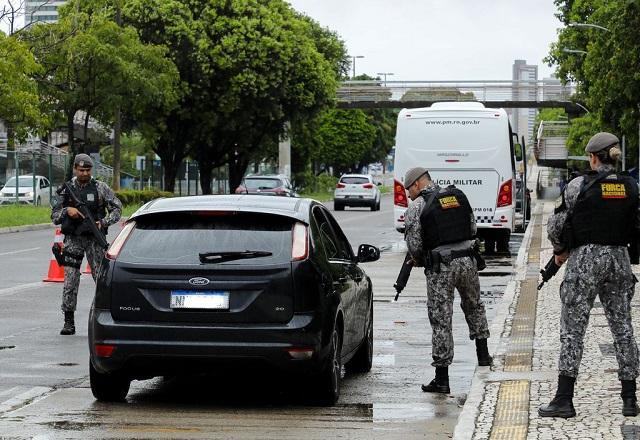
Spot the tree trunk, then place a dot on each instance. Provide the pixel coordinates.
(237, 168)
(117, 129)
(86, 132)
(206, 169)
(171, 161)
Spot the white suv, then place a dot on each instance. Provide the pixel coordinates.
(356, 190)
(25, 190)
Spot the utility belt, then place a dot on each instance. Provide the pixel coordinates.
(435, 258)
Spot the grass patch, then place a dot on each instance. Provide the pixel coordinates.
(19, 215)
(319, 196)
(22, 215)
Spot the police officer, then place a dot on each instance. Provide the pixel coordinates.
(79, 240)
(439, 231)
(591, 231)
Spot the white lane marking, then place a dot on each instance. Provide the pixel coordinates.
(23, 399)
(19, 288)
(19, 252)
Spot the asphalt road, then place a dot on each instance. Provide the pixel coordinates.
(44, 376)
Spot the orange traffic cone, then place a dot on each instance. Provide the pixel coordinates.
(56, 272)
(87, 269)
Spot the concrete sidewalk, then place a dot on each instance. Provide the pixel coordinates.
(503, 402)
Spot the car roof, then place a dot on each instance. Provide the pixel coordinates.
(295, 208)
(266, 176)
(356, 175)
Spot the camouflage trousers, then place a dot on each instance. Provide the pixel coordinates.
(79, 244)
(460, 274)
(604, 271)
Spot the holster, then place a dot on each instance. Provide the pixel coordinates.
(480, 263)
(58, 254)
(433, 262)
(72, 259)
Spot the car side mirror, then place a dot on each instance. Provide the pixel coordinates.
(367, 253)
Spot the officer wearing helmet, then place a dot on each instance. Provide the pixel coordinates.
(78, 239)
(595, 231)
(439, 230)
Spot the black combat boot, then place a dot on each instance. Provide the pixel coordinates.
(562, 404)
(629, 400)
(440, 384)
(69, 325)
(484, 360)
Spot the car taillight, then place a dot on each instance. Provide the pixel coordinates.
(399, 194)
(104, 350)
(506, 194)
(340, 185)
(368, 185)
(116, 246)
(300, 247)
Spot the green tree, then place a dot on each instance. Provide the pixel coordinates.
(343, 137)
(19, 101)
(607, 76)
(92, 64)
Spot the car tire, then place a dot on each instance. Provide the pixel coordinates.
(362, 361)
(378, 205)
(108, 387)
(503, 242)
(338, 206)
(329, 379)
(38, 201)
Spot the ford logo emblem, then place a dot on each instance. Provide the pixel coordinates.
(199, 281)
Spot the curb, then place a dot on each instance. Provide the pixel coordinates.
(25, 228)
(465, 426)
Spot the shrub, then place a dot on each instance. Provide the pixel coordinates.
(137, 197)
(307, 182)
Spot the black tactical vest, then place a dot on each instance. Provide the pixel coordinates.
(90, 196)
(447, 220)
(606, 212)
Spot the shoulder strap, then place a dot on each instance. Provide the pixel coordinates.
(430, 200)
(586, 185)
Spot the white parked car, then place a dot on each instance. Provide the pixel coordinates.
(25, 190)
(356, 190)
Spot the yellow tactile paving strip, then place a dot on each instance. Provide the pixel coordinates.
(511, 419)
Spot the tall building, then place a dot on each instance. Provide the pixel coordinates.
(523, 119)
(41, 10)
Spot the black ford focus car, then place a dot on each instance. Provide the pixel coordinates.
(194, 282)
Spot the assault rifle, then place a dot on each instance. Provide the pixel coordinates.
(403, 276)
(550, 269)
(88, 221)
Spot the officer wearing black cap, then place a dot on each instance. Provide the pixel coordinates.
(595, 231)
(439, 230)
(78, 240)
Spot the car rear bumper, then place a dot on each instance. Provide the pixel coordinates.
(154, 349)
(23, 200)
(355, 200)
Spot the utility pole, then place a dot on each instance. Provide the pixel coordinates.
(117, 128)
(385, 76)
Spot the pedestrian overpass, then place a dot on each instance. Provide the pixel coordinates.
(548, 93)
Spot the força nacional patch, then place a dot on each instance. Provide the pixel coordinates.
(613, 191)
(449, 202)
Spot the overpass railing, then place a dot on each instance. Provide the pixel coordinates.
(430, 91)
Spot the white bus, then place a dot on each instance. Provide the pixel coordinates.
(466, 145)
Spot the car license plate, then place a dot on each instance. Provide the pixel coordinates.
(203, 299)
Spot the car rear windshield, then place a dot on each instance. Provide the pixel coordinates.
(262, 183)
(354, 180)
(181, 238)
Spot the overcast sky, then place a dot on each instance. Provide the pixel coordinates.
(440, 39)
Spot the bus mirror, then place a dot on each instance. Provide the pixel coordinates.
(518, 151)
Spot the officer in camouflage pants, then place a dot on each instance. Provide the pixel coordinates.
(457, 270)
(78, 240)
(589, 231)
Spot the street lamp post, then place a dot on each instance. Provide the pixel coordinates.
(385, 76)
(353, 63)
(589, 25)
(582, 52)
